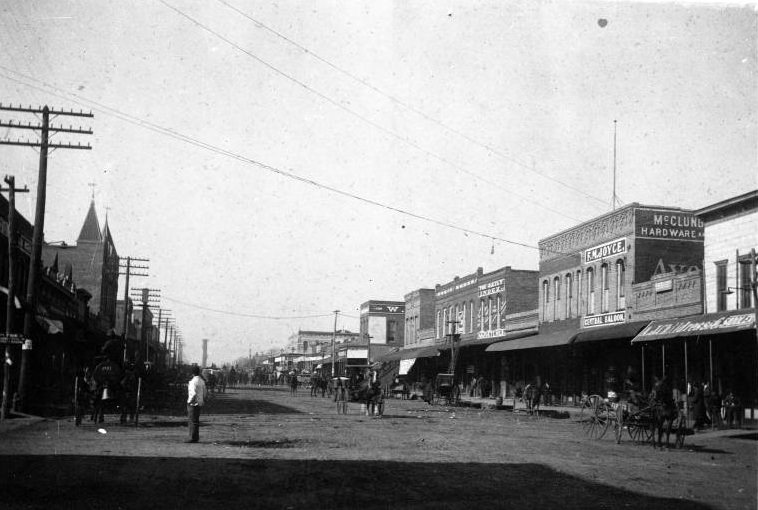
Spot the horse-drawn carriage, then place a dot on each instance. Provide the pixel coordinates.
(446, 391)
(641, 418)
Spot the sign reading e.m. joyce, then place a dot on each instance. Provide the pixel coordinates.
(609, 249)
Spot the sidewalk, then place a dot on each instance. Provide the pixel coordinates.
(18, 420)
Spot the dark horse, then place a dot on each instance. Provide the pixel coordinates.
(113, 387)
(664, 411)
(318, 383)
(370, 394)
(532, 396)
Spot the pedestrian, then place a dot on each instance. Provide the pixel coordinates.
(195, 399)
(340, 397)
(698, 406)
(732, 410)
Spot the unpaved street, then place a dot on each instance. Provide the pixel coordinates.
(262, 448)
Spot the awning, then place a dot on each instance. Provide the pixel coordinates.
(533, 341)
(51, 326)
(405, 366)
(626, 330)
(423, 352)
(707, 324)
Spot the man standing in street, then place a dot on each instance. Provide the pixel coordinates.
(195, 400)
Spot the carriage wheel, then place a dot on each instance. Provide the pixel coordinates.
(588, 407)
(596, 423)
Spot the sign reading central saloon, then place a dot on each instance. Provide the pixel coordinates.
(602, 251)
(603, 319)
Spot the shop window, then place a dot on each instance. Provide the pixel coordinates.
(620, 283)
(721, 285)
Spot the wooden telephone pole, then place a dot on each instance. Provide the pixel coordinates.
(12, 190)
(128, 267)
(44, 144)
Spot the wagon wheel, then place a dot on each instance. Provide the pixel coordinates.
(588, 407)
(639, 426)
(596, 424)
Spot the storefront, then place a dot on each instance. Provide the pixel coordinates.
(719, 349)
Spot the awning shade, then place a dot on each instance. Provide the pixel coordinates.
(51, 326)
(405, 366)
(707, 324)
(533, 341)
(627, 330)
(423, 352)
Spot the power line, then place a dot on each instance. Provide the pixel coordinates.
(344, 108)
(407, 106)
(207, 146)
(238, 314)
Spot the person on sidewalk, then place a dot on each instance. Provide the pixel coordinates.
(195, 400)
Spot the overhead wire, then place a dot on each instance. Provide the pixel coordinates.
(357, 115)
(240, 314)
(411, 108)
(218, 150)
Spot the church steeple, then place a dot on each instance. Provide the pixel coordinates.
(91, 228)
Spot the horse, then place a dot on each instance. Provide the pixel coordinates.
(111, 382)
(532, 397)
(370, 395)
(318, 383)
(664, 411)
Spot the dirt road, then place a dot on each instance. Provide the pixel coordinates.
(262, 448)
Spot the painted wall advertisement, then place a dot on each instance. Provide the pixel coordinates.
(678, 225)
(658, 257)
(377, 329)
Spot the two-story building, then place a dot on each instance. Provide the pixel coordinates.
(600, 283)
(719, 347)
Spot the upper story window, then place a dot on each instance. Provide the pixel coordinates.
(721, 286)
(545, 298)
(590, 290)
(745, 282)
(556, 297)
(471, 316)
(569, 294)
(604, 282)
(620, 284)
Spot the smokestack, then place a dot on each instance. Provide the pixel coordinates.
(205, 352)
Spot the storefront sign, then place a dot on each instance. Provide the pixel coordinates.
(610, 249)
(493, 333)
(668, 225)
(457, 286)
(374, 308)
(492, 287)
(702, 325)
(14, 339)
(603, 319)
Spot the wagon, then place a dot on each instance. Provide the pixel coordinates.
(446, 391)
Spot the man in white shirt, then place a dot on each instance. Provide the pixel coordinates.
(195, 400)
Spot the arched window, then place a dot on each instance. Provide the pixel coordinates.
(569, 294)
(590, 291)
(481, 314)
(444, 321)
(579, 292)
(455, 327)
(439, 323)
(556, 297)
(545, 298)
(620, 282)
(499, 317)
(604, 287)
(471, 317)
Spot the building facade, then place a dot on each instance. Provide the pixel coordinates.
(419, 315)
(94, 265)
(382, 322)
(600, 283)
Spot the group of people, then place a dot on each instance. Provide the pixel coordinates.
(707, 407)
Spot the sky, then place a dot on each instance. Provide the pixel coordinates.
(277, 161)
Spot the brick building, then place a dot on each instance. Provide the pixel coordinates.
(94, 266)
(382, 321)
(477, 310)
(419, 315)
(600, 283)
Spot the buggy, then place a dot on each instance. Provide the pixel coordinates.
(446, 391)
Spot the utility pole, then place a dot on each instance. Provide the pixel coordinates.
(44, 129)
(12, 190)
(334, 340)
(127, 273)
(148, 296)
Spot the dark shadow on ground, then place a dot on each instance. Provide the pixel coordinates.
(65, 481)
(745, 435)
(224, 403)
